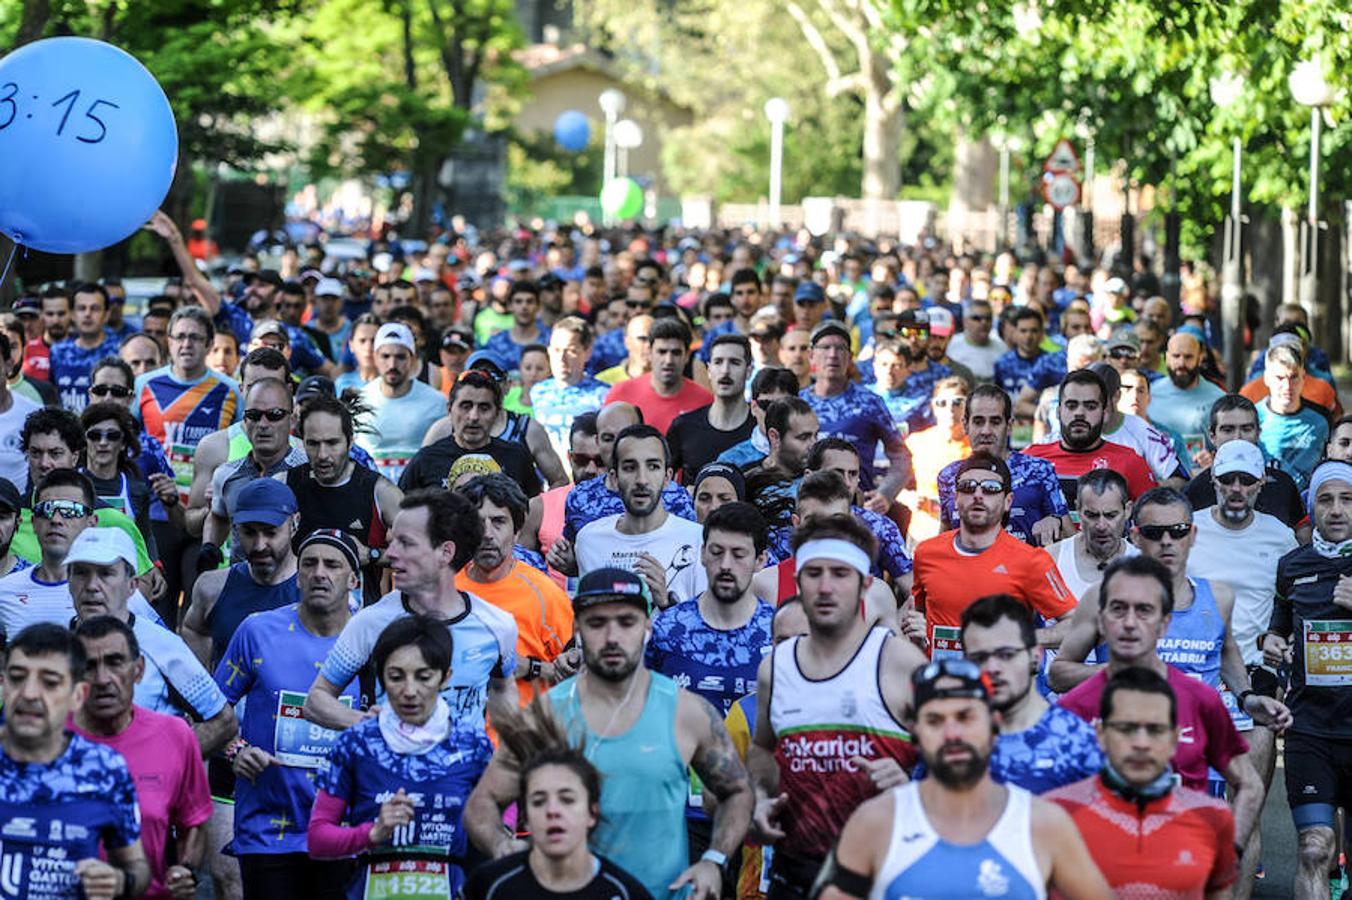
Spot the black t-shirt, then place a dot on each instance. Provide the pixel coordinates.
(695, 443)
(432, 463)
(1304, 612)
(1279, 496)
(510, 878)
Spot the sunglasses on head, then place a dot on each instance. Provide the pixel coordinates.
(1244, 478)
(276, 414)
(988, 486)
(66, 509)
(99, 435)
(950, 667)
(1178, 531)
(110, 390)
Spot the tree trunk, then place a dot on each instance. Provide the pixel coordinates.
(883, 121)
(34, 21)
(974, 173)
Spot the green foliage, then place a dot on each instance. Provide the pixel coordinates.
(1136, 74)
(218, 62)
(538, 170)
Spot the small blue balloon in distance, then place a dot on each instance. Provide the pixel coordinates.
(572, 131)
(89, 145)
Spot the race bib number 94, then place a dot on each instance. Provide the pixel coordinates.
(1328, 652)
(297, 741)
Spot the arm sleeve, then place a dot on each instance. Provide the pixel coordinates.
(348, 654)
(1282, 621)
(327, 837)
(192, 681)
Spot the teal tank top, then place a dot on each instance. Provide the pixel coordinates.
(643, 786)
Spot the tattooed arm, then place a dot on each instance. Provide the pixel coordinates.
(702, 734)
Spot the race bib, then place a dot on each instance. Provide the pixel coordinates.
(1328, 652)
(296, 741)
(180, 460)
(946, 642)
(408, 879)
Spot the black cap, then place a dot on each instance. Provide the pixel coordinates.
(315, 386)
(267, 276)
(9, 496)
(971, 682)
(913, 318)
(339, 540)
(612, 585)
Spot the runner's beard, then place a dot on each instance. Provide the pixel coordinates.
(961, 775)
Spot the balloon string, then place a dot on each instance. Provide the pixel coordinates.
(9, 262)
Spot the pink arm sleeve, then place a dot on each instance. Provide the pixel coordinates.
(327, 838)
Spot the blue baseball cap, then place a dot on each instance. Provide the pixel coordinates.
(809, 292)
(264, 501)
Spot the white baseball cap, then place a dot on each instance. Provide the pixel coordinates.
(395, 333)
(329, 287)
(102, 547)
(1238, 456)
(422, 273)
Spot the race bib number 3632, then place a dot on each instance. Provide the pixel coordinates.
(1328, 652)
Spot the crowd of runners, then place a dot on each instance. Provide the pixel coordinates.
(623, 564)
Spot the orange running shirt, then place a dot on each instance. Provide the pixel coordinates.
(947, 580)
(543, 614)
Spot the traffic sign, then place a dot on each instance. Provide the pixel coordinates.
(1063, 158)
(1060, 189)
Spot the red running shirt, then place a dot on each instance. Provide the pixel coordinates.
(1179, 847)
(1071, 464)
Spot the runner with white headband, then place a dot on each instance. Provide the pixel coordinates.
(829, 708)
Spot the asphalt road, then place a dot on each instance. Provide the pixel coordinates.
(1279, 841)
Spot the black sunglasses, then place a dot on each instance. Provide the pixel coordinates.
(988, 486)
(1177, 531)
(110, 390)
(276, 414)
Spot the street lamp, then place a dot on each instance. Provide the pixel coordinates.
(1007, 144)
(777, 111)
(1226, 90)
(1309, 88)
(628, 136)
(612, 103)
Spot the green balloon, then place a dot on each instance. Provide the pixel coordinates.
(622, 198)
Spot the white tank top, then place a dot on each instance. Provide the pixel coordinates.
(1063, 554)
(919, 863)
(819, 727)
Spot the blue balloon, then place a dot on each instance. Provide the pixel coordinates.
(572, 131)
(89, 145)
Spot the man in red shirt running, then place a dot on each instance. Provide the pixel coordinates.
(1083, 409)
(1149, 836)
(980, 558)
(666, 392)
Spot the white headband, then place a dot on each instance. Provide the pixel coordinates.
(833, 549)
